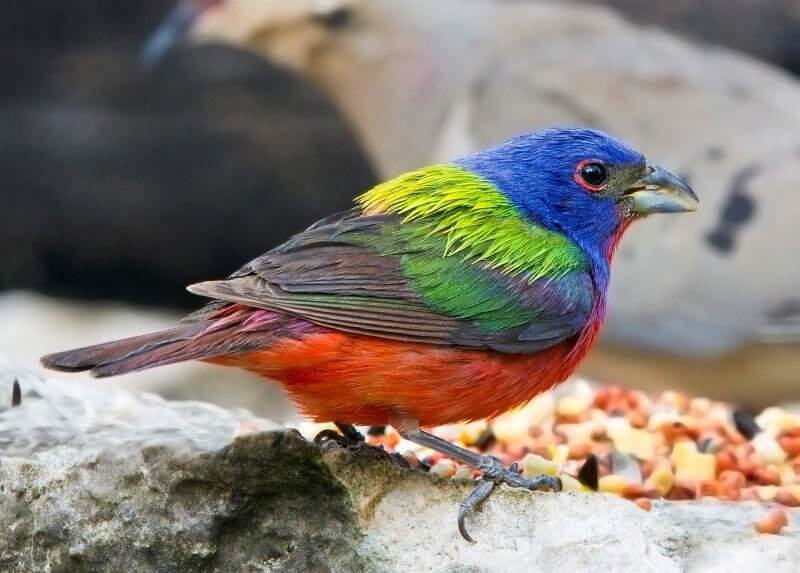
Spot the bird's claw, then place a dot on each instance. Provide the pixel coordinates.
(347, 436)
(353, 440)
(483, 488)
(493, 473)
(328, 435)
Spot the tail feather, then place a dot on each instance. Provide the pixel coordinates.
(233, 330)
(126, 355)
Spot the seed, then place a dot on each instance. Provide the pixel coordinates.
(628, 440)
(589, 474)
(613, 483)
(16, 394)
(768, 448)
(470, 433)
(726, 461)
(786, 498)
(684, 489)
(443, 468)
(733, 478)
(463, 472)
(571, 408)
(638, 491)
(766, 476)
(691, 464)
(637, 418)
(790, 445)
(533, 465)
(766, 492)
(569, 483)
(746, 424)
(772, 522)
(579, 451)
(662, 478)
(675, 431)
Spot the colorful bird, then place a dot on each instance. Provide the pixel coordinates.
(453, 292)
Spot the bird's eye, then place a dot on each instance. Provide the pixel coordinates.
(592, 175)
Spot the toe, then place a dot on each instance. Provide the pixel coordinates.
(480, 492)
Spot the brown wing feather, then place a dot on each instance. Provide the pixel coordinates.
(331, 276)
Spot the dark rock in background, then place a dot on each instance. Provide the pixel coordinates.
(117, 184)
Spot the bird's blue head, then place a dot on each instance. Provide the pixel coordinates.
(580, 182)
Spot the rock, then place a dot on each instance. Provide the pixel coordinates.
(178, 175)
(95, 479)
(763, 28)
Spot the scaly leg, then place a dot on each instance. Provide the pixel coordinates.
(493, 470)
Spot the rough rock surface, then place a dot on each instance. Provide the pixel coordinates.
(94, 479)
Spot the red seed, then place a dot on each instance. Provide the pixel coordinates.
(772, 522)
(637, 490)
(710, 488)
(601, 398)
(579, 451)
(544, 452)
(634, 400)
(790, 445)
(766, 476)
(726, 461)
(637, 418)
(733, 478)
(674, 432)
(644, 503)
(786, 498)
(683, 489)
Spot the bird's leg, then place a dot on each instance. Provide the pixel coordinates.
(493, 471)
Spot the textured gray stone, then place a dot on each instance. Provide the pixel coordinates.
(94, 479)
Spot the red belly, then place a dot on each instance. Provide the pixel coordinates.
(335, 376)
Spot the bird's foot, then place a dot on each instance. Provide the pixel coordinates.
(493, 473)
(347, 436)
(351, 439)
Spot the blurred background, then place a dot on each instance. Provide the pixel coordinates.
(147, 145)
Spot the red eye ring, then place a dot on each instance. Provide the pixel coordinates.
(592, 175)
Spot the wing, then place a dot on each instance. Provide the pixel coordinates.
(373, 275)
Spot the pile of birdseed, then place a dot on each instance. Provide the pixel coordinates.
(625, 443)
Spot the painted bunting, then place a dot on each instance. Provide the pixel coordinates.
(453, 292)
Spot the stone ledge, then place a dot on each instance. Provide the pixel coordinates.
(92, 478)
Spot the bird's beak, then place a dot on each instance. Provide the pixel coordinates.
(659, 191)
(171, 31)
